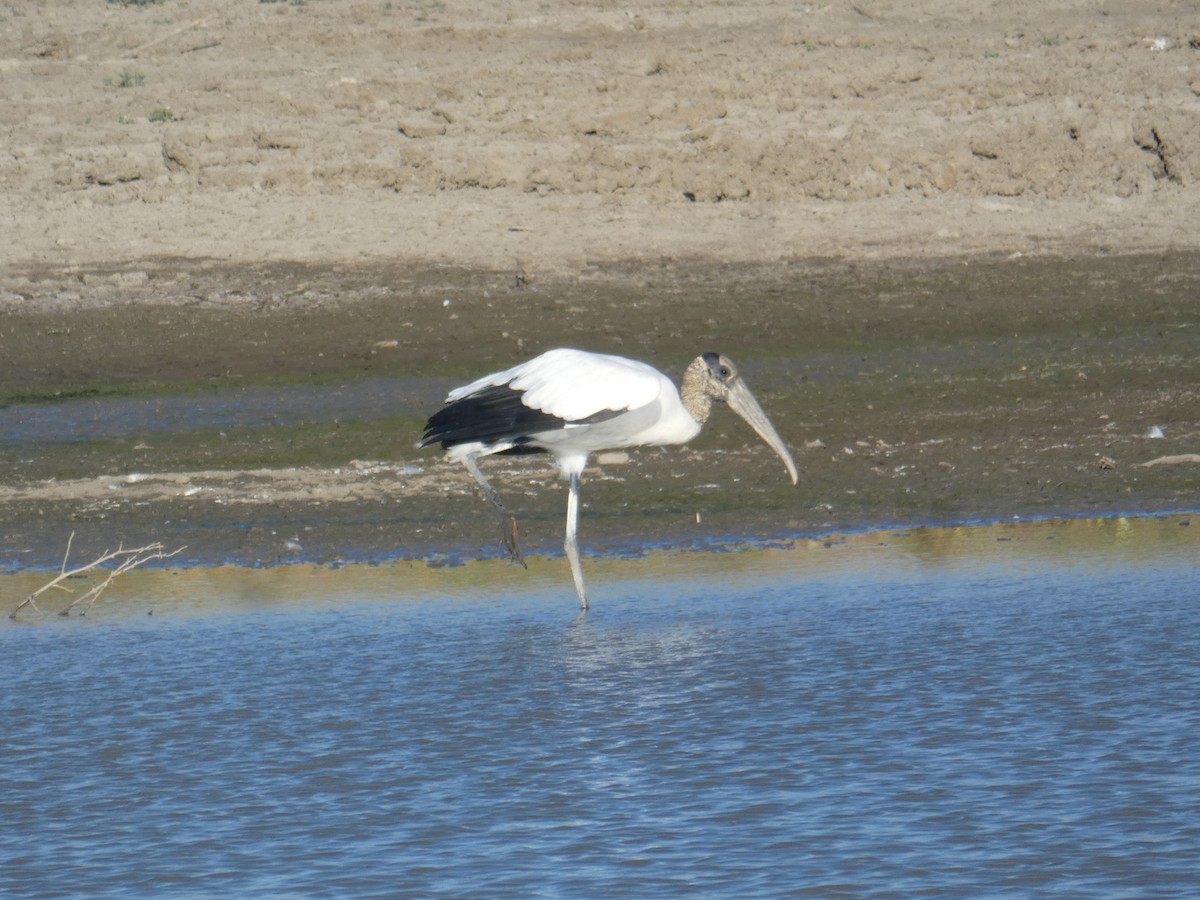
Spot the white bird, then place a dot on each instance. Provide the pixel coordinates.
(571, 403)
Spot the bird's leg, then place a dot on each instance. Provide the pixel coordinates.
(571, 545)
(508, 523)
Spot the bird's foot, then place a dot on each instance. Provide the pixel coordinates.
(508, 533)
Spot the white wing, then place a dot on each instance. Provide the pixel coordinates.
(575, 384)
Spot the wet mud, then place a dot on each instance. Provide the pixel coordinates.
(269, 413)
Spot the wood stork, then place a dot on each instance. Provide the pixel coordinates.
(571, 403)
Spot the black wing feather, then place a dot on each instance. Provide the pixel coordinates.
(492, 415)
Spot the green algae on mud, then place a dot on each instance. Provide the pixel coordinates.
(910, 392)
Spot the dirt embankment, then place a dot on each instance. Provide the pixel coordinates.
(521, 135)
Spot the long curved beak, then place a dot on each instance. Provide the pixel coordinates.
(742, 402)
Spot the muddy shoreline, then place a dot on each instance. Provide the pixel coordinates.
(945, 391)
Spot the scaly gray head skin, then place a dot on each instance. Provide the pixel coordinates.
(715, 377)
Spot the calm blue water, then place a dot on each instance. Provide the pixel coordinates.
(890, 730)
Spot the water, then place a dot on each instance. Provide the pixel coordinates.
(83, 419)
(953, 712)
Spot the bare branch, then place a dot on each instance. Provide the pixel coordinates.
(68, 553)
(198, 23)
(1178, 459)
(128, 559)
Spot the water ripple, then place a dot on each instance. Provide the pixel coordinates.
(974, 733)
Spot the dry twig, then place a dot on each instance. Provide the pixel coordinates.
(1176, 460)
(198, 23)
(128, 559)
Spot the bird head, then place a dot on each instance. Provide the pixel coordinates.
(719, 379)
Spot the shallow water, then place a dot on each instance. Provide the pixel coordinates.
(81, 419)
(958, 712)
